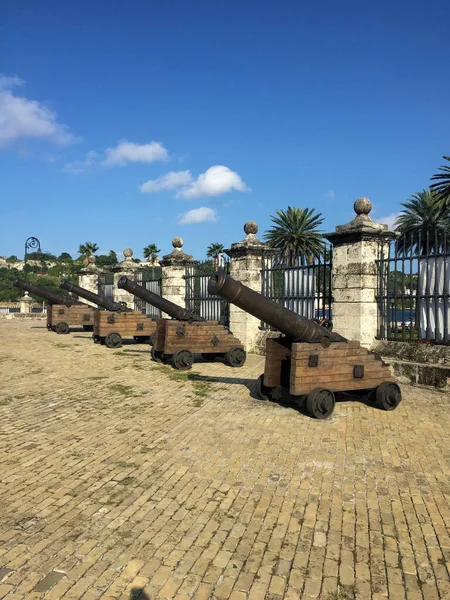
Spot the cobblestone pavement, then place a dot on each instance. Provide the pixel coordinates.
(121, 478)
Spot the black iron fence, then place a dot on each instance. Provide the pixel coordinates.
(106, 285)
(197, 299)
(150, 279)
(304, 288)
(414, 289)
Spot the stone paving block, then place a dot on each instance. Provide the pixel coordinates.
(48, 582)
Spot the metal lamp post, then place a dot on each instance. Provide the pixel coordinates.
(34, 244)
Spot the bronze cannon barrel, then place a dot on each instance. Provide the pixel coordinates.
(297, 328)
(92, 297)
(45, 293)
(175, 311)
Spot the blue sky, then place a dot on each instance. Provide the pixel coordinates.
(249, 106)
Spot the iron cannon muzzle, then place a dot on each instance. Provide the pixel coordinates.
(165, 306)
(101, 301)
(296, 327)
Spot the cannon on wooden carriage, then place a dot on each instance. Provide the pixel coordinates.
(63, 312)
(309, 363)
(114, 321)
(185, 334)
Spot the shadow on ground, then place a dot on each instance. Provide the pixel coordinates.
(250, 384)
(138, 594)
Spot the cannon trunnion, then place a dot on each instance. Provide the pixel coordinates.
(178, 339)
(116, 322)
(309, 364)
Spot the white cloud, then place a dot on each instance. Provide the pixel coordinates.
(21, 118)
(8, 82)
(78, 166)
(198, 215)
(215, 181)
(330, 195)
(389, 220)
(126, 152)
(169, 181)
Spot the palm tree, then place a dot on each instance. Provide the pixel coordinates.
(296, 235)
(422, 224)
(442, 186)
(213, 251)
(87, 248)
(151, 253)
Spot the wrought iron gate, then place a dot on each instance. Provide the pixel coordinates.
(151, 280)
(304, 288)
(106, 285)
(414, 289)
(197, 299)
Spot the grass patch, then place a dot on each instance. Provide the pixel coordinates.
(61, 345)
(139, 366)
(128, 480)
(201, 391)
(125, 465)
(345, 592)
(125, 390)
(6, 401)
(122, 429)
(36, 371)
(128, 355)
(97, 378)
(145, 449)
(174, 375)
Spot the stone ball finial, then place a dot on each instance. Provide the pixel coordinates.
(128, 252)
(362, 206)
(92, 259)
(177, 242)
(251, 227)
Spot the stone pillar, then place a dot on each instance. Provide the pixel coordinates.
(173, 271)
(356, 248)
(88, 277)
(245, 266)
(126, 267)
(25, 303)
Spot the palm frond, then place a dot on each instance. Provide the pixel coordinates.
(442, 186)
(295, 234)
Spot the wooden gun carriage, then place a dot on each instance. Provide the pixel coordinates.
(112, 321)
(309, 364)
(63, 312)
(178, 339)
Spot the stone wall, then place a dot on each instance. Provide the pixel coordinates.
(419, 364)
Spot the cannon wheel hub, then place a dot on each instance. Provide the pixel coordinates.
(262, 391)
(235, 357)
(388, 396)
(62, 328)
(320, 403)
(182, 360)
(113, 340)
